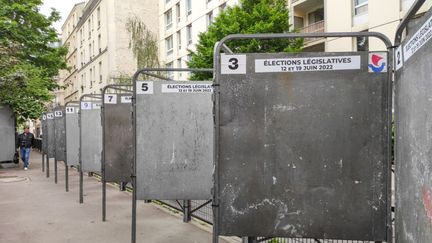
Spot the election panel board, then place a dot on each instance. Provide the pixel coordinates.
(174, 140)
(44, 133)
(50, 135)
(303, 145)
(118, 137)
(72, 135)
(7, 131)
(413, 90)
(91, 136)
(60, 134)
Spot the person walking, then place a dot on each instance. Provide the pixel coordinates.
(25, 142)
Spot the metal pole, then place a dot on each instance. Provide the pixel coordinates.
(186, 211)
(47, 167)
(55, 170)
(249, 240)
(103, 197)
(67, 177)
(43, 162)
(81, 196)
(134, 197)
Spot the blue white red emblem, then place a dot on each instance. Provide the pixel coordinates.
(377, 62)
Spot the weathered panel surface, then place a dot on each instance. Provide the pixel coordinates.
(50, 135)
(304, 154)
(7, 131)
(60, 134)
(414, 143)
(118, 144)
(174, 135)
(91, 140)
(72, 136)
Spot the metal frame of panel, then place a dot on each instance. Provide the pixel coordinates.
(59, 139)
(97, 98)
(413, 211)
(148, 72)
(217, 64)
(50, 140)
(8, 134)
(44, 143)
(70, 108)
(120, 91)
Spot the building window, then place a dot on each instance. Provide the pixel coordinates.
(179, 42)
(169, 45)
(170, 73)
(209, 18)
(90, 78)
(298, 22)
(362, 43)
(168, 19)
(222, 7)
(98, 17)
(189, 34)
(188, 7)
(100, 72)
(90, 51)
(81, 36)
(178, 12)
(167, 1)
(316, 16)
(179, 65)
(360, 7)
(89, 29)
(99, 43)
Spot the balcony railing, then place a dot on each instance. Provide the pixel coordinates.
(313, 28)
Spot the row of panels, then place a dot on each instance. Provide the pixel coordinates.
(286, 144)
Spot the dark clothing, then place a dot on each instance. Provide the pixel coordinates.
(25, 140)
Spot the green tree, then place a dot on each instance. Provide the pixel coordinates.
(29, 57)
(249, 17)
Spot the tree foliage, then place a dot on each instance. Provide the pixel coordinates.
(29, 57)
(249, 17)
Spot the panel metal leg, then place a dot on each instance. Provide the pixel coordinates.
(55, 171)
(249, 240)
(134, 197)
(186, 211)
(47, 167)
(81, 195)
(215, 223)
(103, 198)
(43, 162)
(67, 177)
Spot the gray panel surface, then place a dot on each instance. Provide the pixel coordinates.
(44, 133)
(72, 138)
(60, 135)
(414, 145)
(174, 137)
(304, 154)
(50, 136)
(91, 140)
(7, 132)
(118, 144)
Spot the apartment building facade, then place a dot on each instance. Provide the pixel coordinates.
(99, 51)
(310, 16)
(180, 22)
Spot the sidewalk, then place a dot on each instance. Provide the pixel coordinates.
(35, 210)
